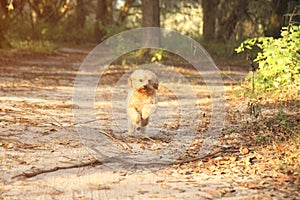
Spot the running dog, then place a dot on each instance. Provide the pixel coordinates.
(141, 100)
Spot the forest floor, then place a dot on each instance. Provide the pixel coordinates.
(42, 155)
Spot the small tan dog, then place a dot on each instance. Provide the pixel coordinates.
(141, 100)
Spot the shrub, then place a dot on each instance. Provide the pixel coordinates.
(278, 60)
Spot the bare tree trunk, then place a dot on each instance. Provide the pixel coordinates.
(80, 14)
(104, 17)
(4, 44)
(151, 13)
(279, 7)
(209, 18)
(109, 12)
(99, 31)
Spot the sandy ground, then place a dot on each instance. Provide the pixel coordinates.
(38, 132)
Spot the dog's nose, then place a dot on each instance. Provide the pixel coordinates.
(145, 87)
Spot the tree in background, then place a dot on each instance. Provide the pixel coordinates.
(80, 13)
(238, 19)
(151, 18)
(230, 13)
(221, 18)
(279, 8)
(48, 12)
(94, 20)
(210, 9)
(104, 17)
(151, 13)
(3, 23)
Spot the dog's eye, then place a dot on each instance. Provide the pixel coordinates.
(149, 81)
(141, 80)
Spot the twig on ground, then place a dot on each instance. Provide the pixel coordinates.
(43, 171)
(223, 73)
(86, 122)
(149, 138)
(116, 140)
(58, 122)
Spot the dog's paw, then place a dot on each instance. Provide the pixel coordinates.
(140, 130)
(130, 134)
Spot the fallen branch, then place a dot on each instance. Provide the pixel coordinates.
(43, 171)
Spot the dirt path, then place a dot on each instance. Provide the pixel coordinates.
(37, 132)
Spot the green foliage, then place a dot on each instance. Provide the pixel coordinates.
(278, 60)
(157, 55)
(260, 138)
(281, 113)
(143, 56)
(283, 119)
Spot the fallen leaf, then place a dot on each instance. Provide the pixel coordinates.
(165, 186)
(153, 196)
(98, 186)
(214, 193)
(253, 185)
(143, 191)
(244, 151)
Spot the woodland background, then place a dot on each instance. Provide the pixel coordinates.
(81, 21)
(43, 43)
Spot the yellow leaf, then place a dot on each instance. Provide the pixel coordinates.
(10, 6)
(159, 56)
(153, 59)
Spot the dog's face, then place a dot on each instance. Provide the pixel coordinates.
(143, 81)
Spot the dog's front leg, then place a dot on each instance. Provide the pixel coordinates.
(148, 109)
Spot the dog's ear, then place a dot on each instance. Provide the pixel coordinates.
(129, 82)
(155, 85)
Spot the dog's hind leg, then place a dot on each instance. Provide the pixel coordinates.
(130, 127)
(134, 120)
